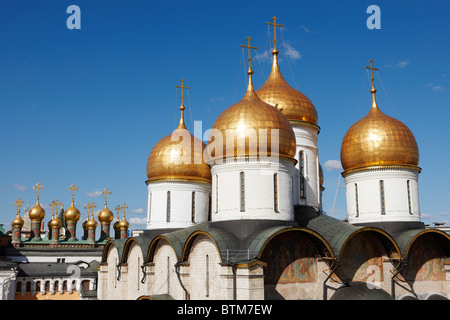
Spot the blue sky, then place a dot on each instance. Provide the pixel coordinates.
(87, 106)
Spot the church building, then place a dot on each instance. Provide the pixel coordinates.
(241, 217)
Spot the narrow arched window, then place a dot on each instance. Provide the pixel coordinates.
(382, 200)
(217, 193)
(149, 207)
(275, 192)
(301, 168)
(193, 208)
(168, 207)
(408, 186)
(242, 190)
(356, 200)
(207, 276)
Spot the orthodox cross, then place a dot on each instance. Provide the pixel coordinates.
(106, 192)
(124, 207)
(182, 96)
(92, 206)
(249, 53)
(18, 203)
(38, 188)
(275, 25)
(87, 207)
(57, 204)
(371, 72)
(73, 188)
(53, 205)
(118, 207)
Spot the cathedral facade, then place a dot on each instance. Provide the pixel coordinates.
(241, 217)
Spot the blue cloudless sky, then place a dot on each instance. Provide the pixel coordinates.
(87, 105)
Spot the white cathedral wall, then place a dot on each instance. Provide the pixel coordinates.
(205, 281)
(366, 206)
(180, 204)
(164, 279)
(135, 259)
(259, 189)
(306, 141)
(108, 286)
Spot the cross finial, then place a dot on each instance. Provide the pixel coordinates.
(118, 208)
(87, 207)
(373, 90)
(57, 204)
(124, 207)
(181, 125)
(18, 204)
(249, 54)
(53, 205)
(38, 188)
(182, 96)
(92, 206)
(73, 188)
(106, 193)
(275, 25)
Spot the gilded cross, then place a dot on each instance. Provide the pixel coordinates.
(182, 87)
(124, 207)
(249, 53)
(38, 188)
(18, 203)
(275, 25)
(57, 204)
(371, 72)
(73, 188)
(106, 192)
(53, 205)
(118, 207)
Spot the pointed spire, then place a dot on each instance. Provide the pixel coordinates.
(373, 90)
(181, 125)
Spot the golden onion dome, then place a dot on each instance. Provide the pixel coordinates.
(179, 157)
(37, 213)
(124, 224)
(17, 222)
(55, 223)
(293, 104)
(91, 224)
(251, 123)
(105, 215)
(378, 140)
(72, 213)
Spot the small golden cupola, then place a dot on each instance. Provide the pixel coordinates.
(178, 156)
(18, 221)
(378, 140)
(105, 215)
(37, 213)
(252, 122)
(277, 92)
(72, 213)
